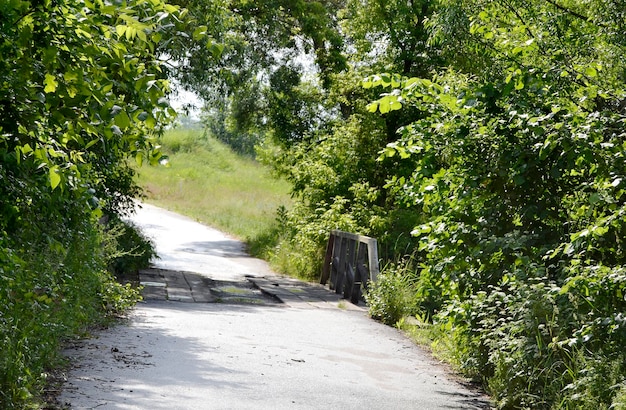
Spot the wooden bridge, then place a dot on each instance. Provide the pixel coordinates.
(351, 262)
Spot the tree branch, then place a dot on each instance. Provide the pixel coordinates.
(568, 10)
(576, 14)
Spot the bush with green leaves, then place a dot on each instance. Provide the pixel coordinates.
(518, 177)
(54, 280)
(129, 250)
(83, 89)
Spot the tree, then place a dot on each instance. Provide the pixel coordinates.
(83, 86)
(83, 89)
(258, 39)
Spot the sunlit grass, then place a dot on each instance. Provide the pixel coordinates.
(431, 337)
(211, 184)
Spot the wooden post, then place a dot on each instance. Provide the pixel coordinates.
(350, 259)
(341, 266)
(328, 258)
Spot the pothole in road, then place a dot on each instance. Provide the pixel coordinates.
(239, 292)
(233, 289)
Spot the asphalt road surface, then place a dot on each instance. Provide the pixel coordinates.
(219, 330)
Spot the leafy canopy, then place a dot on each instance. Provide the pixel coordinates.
(83, 86)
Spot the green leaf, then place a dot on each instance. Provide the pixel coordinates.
(50, 84)
(130, 33)
(595, 198)
(599, 231)
(142, 35)
(54, 177)
(591, 72)
(372, 107)
(150, 122)
(26, 149)
(122, 120)
(384, 107)
(216, 49)
(91, 143)
(199, 32)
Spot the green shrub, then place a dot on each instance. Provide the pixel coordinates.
(54, 281)
(129, 249)
(535, 344)
(394, 295)
(49, 293)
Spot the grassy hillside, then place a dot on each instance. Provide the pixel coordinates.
(206, 181)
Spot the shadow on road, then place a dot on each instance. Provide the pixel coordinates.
(243, 356)
(224, 248)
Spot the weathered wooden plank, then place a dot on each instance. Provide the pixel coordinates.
(328, 257)
(341, 268)
(355, 237)
(348, 282)
(350, 263)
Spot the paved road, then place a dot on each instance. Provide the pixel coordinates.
(266, 342)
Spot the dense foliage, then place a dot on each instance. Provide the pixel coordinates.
(518, 177)
(494, 158)
(82, 89)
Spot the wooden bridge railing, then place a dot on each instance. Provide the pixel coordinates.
(351, 262)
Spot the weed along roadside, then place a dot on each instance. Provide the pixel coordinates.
(226, 332)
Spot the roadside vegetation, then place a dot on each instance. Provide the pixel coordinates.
(82, 90)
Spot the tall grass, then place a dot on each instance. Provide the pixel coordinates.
(207, 181)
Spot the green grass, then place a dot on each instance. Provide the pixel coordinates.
(208, 182)
(431, 337)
